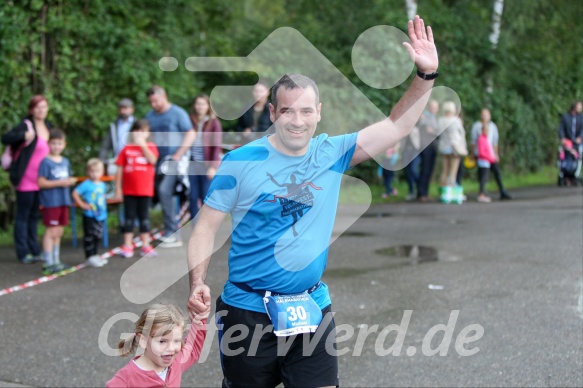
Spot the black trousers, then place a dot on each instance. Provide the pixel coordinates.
(428, 156)
(495, 168)
(136, 208)
(26, 224)
(483, 173)
(93, 231)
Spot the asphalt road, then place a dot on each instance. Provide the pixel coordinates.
(507, 277)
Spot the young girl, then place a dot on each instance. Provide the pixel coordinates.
(205, 153)
(135, 183)
(158, 332)
(486, 156)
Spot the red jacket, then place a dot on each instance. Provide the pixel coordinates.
(132, 376)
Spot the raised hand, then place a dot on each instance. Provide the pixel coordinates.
(422, 48)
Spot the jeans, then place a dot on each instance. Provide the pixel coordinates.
(427, 164)
(388, 181)
(412, 171)
(26, 224)
(166, 197)
(199, 187)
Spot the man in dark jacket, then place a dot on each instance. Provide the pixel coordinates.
(115, 139)
(571, 125)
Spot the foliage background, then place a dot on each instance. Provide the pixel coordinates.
(86, 55)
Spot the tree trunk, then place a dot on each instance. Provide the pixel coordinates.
(494, 37)
(411, 6)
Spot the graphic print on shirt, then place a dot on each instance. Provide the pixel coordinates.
(60, 172)
(298, 198)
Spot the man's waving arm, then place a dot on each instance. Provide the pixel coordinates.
(378, 137)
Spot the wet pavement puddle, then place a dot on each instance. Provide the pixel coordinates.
(400, 256)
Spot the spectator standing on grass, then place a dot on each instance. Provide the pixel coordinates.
(428, 130)
(205, 153)
(173, 135)
(486, 157)
(135, 183)
(282, 194)
(452, 144)
(571, 124)
(493, 136)
(55, 179)
(256, 119)
(23, 172)
(90, 196)
(116, 137)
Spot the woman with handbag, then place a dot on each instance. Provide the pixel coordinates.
(30, 138)
(452, 147)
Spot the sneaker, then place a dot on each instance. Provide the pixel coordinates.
(126, 252)
(55, 268)
(170, 242)
(484, 198)
(505, 196)
(148, 250)
(384, 195)
(95, 261)
(30, 259)
(410, 197)
(103, 260)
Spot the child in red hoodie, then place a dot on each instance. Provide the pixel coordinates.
(166, 355)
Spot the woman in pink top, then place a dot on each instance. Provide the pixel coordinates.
(24, 176)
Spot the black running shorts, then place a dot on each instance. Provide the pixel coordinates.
(252, 356)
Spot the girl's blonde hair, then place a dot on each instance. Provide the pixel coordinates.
(156, 320)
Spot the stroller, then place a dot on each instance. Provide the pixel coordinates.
(569, 163)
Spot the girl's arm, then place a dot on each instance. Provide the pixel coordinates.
(192, 348)
(118, 182)
(148, 153)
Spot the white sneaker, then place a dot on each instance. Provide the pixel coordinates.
(410, 197)
(171, 241)
(95, 261)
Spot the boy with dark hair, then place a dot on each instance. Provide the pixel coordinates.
(54, 180)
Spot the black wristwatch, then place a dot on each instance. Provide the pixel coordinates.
(427, 77)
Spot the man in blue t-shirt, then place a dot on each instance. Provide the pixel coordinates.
(282, 193)
(173, 135)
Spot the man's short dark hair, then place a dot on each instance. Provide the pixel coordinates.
(56, 134)
(155, 90)
(292, 81)
(574, 105)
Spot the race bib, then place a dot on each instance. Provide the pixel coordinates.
(292, 314)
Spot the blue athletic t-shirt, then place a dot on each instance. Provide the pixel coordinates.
(94, 194)
(168, 129)
(283, 210)
(51, 170)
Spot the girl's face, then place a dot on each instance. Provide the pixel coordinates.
(40, 111)
(201, 107)
(140, 134)
(161, 350)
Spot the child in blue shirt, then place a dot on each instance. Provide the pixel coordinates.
(90, 196)
(54, 180)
